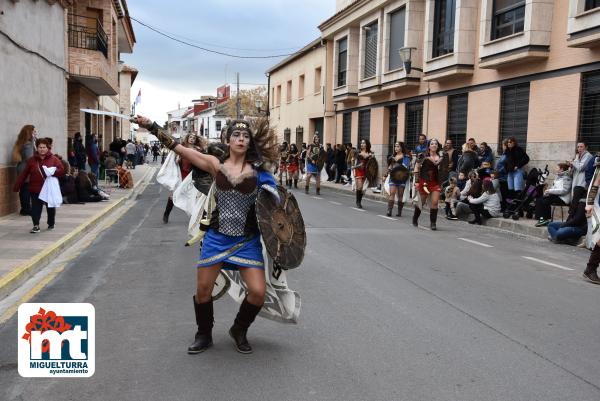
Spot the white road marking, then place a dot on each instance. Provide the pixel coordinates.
(317, 197)
(335, 203)
(386, 217)
(357, 209)
(476, 242)
(547, 263)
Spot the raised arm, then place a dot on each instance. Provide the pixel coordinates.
(203, 161)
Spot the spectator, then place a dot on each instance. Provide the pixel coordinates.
(580, 164)
(85, 190)
(125, 178)
(163, 154)
(340, 162)
(80, 155)
(110, 166)
(35, 173)
(487, 205)
(576, 225)
(422, 145)
(501, 174)
(349, 156)
(139, 153)
(93, 154)
(516, 159)
(330, 162)
(461, 181)
(485, 154)
(466, 191)
(131, 152)
(23, 150)
(590, 169)
(468, 160)
(559, 194)
(155, 153)
(452, 155)
(67, 184)
(451, 195)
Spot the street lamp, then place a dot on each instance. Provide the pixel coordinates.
(406, 58)
(258, 104)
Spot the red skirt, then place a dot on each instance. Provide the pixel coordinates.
(432, 186)
(292, 168)
(359, 172)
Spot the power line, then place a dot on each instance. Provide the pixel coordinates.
(206, 49)
(25, 49)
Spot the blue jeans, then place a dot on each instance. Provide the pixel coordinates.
(515, 180)
(565, 233)
(95, 168)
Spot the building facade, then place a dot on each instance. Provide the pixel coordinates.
(486, 69)
(33, 80)
(299, 93)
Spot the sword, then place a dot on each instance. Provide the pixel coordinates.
(107, 113)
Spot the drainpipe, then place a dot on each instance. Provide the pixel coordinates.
(268, 94)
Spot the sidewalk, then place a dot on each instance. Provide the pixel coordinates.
(521, 226)
(22, 254)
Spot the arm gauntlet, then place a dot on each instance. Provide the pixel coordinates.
(592, 195)
(162, 136)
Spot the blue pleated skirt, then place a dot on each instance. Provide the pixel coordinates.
(234, 252)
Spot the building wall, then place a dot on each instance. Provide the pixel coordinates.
(33, 91)
(478, 67)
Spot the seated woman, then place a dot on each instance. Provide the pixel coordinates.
(559, 194)
(85, 191)
(487, 205)
(571, 230)
(473, 189)
(67, 184)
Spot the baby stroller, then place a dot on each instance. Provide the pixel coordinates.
(524, 204)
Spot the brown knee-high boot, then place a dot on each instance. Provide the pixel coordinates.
(359, 196)
(243, 320)
(168, 210)
(390, 207)
(400, 206)
(204, 320)
(591, 270)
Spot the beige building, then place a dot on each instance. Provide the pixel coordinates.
(300, 96)
(486, 69)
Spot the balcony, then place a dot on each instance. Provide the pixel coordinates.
(92, 62)
(87, 33)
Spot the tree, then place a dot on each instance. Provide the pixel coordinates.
(248, 98)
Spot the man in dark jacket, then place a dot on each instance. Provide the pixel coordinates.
(329, 162)
(516, 159)
(340, 162)
(80, 153)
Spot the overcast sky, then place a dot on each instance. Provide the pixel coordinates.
(170, 72)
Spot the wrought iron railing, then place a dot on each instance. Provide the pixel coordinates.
(87, 33)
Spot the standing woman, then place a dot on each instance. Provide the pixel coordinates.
(22, 152)
(359, 165)
(35, 173)
(399, 161)
(94, 156)
(293, 165)
(283, 154)
(431, 171)
(232, 240)
(185, 167)
(312, 160)
(516, 159)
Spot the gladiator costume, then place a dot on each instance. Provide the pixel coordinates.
(591, 270)
(431, 175)
(185, 167)
(399, 172)
(283, 155)
(293, 168)
(231, 235)
(314, 164)
(360, 173)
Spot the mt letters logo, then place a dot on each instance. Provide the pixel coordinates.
(56, 340)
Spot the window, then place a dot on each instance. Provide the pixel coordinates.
(287, 133)
(397, 24)
(509, 18)
(370, 67)
(288, 93)
(301, 87)
(342, 61)
(218, 125)
(413, 124)
(393, 130)
(457, 118)
(347, 128)
(273, 100)
(317, 87)
(591, 4)
(589, 114)
(278, 102)
(443, 27)
(364, 125)
(514, 112)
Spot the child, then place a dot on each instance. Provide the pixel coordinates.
(452, 193)
(486, 205)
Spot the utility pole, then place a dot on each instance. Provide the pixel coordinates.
(237, 101)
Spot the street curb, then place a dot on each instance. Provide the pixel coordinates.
(28, 268)
(496, 223)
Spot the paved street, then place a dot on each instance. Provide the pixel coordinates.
(389, 312)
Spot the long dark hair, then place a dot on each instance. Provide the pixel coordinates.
(402, 147)
(367, 145)
(263, 147)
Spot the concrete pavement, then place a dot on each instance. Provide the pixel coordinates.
(389, 312)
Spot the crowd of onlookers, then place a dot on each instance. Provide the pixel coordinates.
(77, 177)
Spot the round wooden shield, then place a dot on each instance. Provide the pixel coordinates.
(282, 227)
(399, 172)
(371, 171)
(427, 169)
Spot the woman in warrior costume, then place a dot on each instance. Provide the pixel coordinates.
(191, 141)
(293, 165)
(283, 153)
(397, 161)
(312, 168)
(592, 208)
(232, 241)
(359, 165)
(430, 170)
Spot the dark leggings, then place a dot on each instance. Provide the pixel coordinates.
(479, 211)
(36, 210)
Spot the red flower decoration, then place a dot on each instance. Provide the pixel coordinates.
(42, 322)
